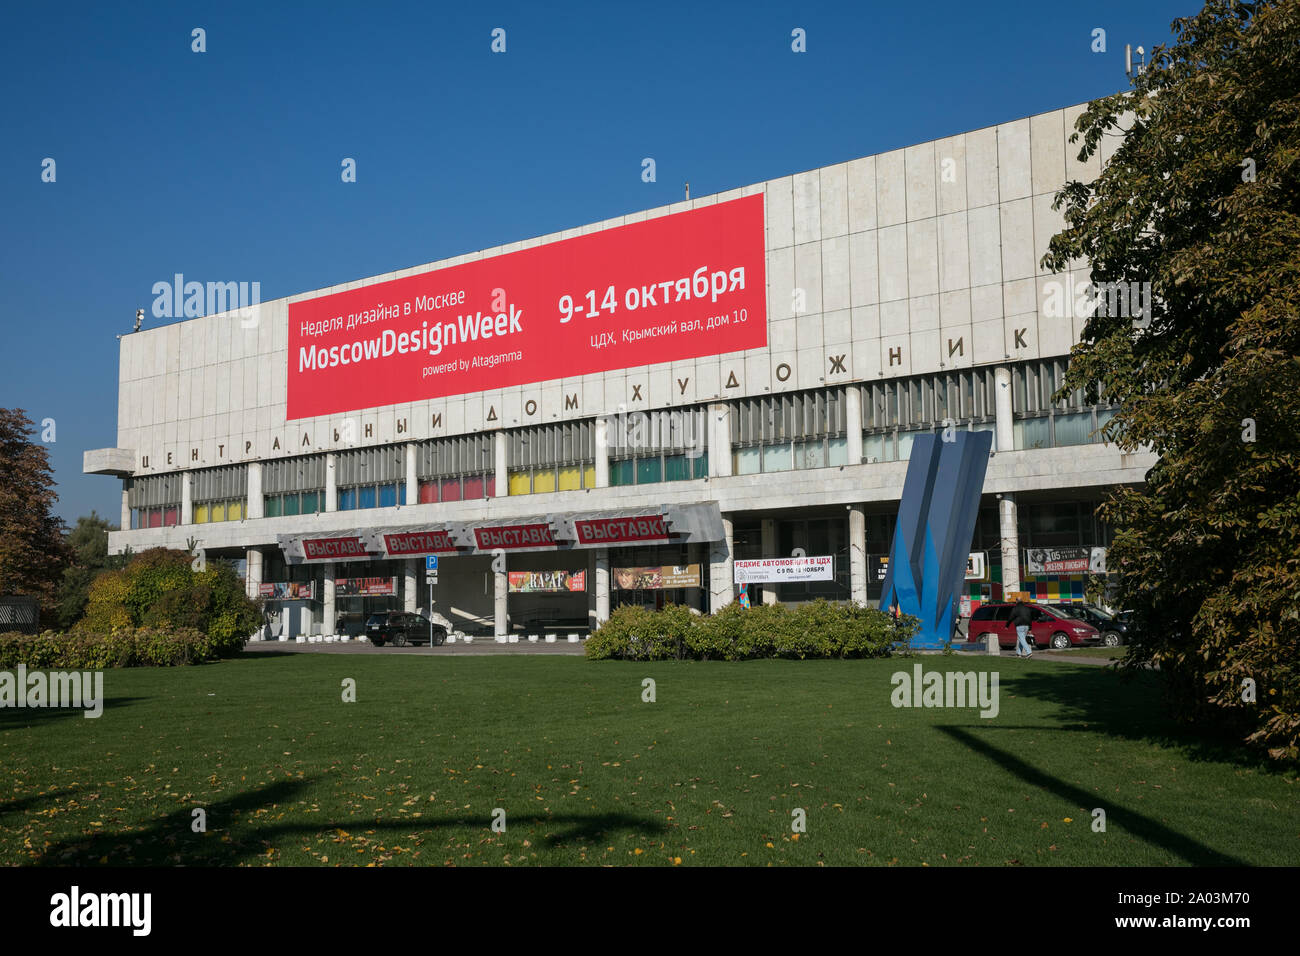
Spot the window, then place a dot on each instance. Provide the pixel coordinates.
(664, 445)
(293, 486)
(783, 432)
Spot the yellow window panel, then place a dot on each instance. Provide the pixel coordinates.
(589, 477)
(521, 483)
(200, 514)
(543, 481)
(570, 479)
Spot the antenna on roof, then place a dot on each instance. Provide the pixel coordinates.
(688, 190)
(1128, 60)
(139, 319)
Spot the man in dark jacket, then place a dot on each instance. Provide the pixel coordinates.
(1021, 617)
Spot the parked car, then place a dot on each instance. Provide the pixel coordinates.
(400, 628)
(1114, 632)
(1049, 628)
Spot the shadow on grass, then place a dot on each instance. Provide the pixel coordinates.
(12, 718)
(170, 841)
(1130, 705)
(1143, 827)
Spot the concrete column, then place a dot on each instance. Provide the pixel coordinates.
(501, 594)
(720, 440)
(253, 507)
(722, 590)
(1009, 532)
(327, 598)
(411, 594)
(768, 544)
(858, 553)
(187, 497)
(412, 482)
(853, 423)
(501, 464)
(602, 478)
(253, 575)
(602, 586)
(331, 485)
(1006, 440)
(1007, 517)
(126, 505)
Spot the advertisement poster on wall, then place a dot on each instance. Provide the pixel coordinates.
(365, 587)
(670, 288)
(769, 570)
(657, 578)
(1065, 561)
(288, 591)
(547, 582)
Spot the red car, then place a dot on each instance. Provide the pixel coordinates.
(1050, 628)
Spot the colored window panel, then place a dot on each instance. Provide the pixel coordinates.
(366, 496)
(702, 465)
(235, 511)
(810, 454)
(1073, 429)
(387, 496)
(521, 483)
(570, 479)
(648, 471)
(291, 504)
(589, 477)
(428, 492)
(347, 499)
(776, 457)
(749, 461)
(676, 468)
(171, 517)
(473, 486)
(622, 472)
(310, 502)
(543, 481)
(450, 489)
(272, 506)
(200, 516)
(837, 452)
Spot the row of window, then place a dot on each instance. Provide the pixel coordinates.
(538, 481)
(650, 469)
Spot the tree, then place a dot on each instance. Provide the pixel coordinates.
(1202, 200)
(88, 543)
(33, 552)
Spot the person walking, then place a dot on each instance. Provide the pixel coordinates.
(1021, 617)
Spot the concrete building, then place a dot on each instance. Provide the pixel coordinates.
(623, 441)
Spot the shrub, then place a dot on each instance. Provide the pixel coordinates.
(87, 650)
(819, 629)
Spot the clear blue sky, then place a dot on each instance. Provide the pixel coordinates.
(225, 165)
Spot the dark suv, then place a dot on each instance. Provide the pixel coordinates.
(1113, 631)
(1050, 628)
(400, 628)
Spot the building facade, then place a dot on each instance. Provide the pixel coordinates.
(624, 411)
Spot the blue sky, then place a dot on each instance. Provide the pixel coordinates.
(225, 165)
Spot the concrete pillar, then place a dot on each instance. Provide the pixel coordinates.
(412, 481)
(722, 590)
(126, 505)
(858, 553)
(501, 595)
(768, 544)
(501, 464)
(720, 440)
(1009, 532)
(853, 423)
(602, 474)
(411, 592)
(602, 586)
(331, 485)
(1007, 517)
(253, 507)
(187, 498)
(1006, 440)
(253, 574)
(327, 599)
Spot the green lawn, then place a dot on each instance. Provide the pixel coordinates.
(587, 773)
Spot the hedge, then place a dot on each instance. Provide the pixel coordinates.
(820, 629)
(125, 647)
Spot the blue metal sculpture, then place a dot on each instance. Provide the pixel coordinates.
(936, 521)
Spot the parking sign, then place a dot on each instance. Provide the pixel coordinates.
(431, 563)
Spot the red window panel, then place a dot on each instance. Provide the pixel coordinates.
(428, 492)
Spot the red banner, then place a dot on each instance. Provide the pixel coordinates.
(618, 530)
(418, 542)
(670, 288)
(328, 549)
(515, 536)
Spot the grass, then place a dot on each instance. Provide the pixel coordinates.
(587, 773)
